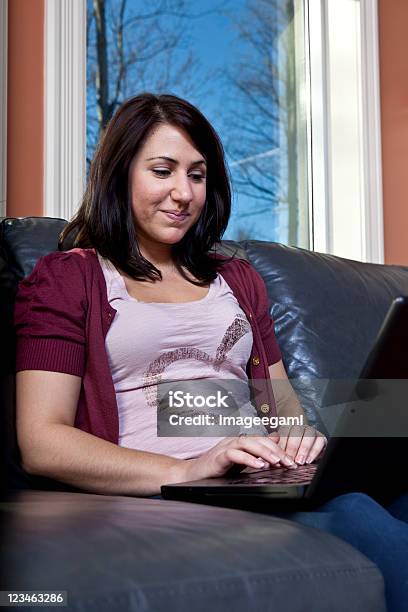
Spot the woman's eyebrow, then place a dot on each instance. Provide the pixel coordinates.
(170, 159)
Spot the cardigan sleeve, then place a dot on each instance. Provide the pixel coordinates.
(50, 317)
(264, 320)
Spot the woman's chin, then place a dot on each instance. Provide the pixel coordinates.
(171, 236)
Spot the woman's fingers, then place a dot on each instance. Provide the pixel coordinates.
(275, 436)
(238, 456)
(294, 440)
(283, 436)
(307, 449)
(235, 455)
(319, 444)
(303, 444)
(265, 448)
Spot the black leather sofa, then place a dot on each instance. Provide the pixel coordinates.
(126, 553)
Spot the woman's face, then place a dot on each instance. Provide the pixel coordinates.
(168, 185)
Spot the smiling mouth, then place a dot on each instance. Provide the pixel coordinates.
(176, 216)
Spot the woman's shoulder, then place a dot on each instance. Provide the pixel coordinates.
(245, 281)
(76, 256)
(63, 276)
(237, 267)
(57, 285)
(75, 261)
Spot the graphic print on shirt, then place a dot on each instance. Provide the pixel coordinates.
(153, 375)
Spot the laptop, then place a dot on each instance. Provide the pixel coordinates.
(367, 451)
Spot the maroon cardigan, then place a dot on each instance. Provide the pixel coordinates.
(62, 316)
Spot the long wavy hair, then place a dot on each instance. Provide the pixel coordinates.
(105, 219)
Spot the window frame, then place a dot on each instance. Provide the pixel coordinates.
(322, 153)
(64, 107)
(65, 121)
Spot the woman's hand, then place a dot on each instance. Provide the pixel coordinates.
(302, 444)
(244, 451)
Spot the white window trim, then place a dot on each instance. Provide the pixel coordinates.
(374, 214)
(3, 105)
(64, 107)
(319, 208)
(372, 234)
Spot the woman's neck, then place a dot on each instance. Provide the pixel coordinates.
(159, 255)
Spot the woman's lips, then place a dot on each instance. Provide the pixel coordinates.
(176, 216)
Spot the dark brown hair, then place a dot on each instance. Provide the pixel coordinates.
(105, 218)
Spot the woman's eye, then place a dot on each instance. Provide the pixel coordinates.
(161, 171)
(165, 172)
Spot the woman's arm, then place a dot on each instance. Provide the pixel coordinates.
(304, 444)
(51, 446)
(287, 402)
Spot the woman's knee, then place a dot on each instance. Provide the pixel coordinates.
(355, 500)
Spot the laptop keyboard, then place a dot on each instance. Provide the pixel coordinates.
(282, 476)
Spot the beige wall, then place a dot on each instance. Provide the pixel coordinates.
(26, 120)
(25, 115)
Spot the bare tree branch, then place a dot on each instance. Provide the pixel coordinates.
(263, 115)
(143, 51)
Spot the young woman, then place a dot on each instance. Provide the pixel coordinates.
(140, 300)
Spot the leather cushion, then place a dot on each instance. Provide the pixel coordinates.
(123, 553)
(327, 312)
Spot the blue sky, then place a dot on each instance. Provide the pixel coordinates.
(215, 44)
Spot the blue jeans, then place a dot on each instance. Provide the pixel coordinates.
(381, 534)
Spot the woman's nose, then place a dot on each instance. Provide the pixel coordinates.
(182, 191)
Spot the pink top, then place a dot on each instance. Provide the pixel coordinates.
(62, 316)
(150, 343)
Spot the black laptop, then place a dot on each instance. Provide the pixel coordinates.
(368, 451)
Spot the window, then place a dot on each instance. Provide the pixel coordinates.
(290, 85)
(242, 62)
(347, 218)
